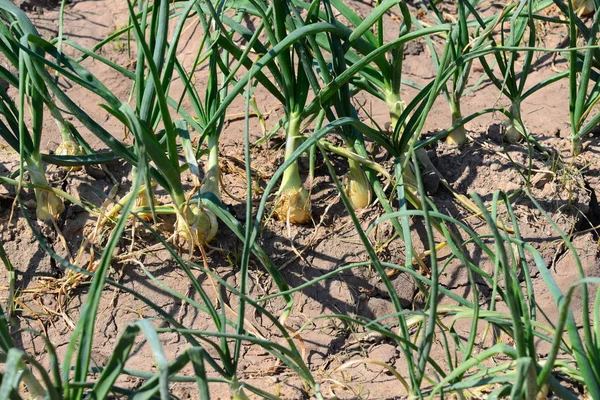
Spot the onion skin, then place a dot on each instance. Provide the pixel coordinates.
(511, 133)
(294, 205)
(49, 206)
(199, 226)
(584, 7)
(513, 126)
(143, 201)
(458, 136)
(357, 187)
(69, 148)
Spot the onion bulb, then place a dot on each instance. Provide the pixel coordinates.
(237, 390)
(49, 206)
(142, 200)
(293, 205)
(513, 127)
(198, 225)
(239, 394)
(457, 136)
(584, 7)
(69, 148)
(357, 186)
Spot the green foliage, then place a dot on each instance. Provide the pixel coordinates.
(313, 58)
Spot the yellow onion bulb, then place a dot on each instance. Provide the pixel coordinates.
(395, 108)
(513, 127)
(239, 394)
(457, 136)
(69, 148)
(237, 390)
(142, 200)
(49, 206)
(357, 187)
(584, 7)
(512, 134)
(199, 225)
(293, 205)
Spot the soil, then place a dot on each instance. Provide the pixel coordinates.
(568, 192)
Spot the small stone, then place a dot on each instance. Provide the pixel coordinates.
(431, 182)
(413, 48)
(384, 352)
(95, 172)
(511, 187)
(542, 178)
(31, 204)
(377, 308)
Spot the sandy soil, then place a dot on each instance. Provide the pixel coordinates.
(569, 195)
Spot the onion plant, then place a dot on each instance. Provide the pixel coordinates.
(384, 80)
(510, 81)
(356, 184)
(459, 43)
(13, 129)
(194, 223)
(584, 84)
(293, 202)
(280, 21)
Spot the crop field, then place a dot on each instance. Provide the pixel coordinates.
(295, 199)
